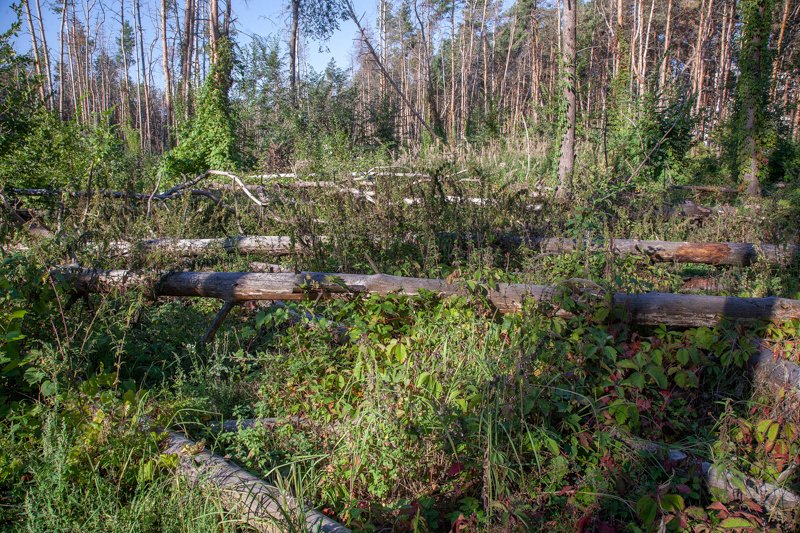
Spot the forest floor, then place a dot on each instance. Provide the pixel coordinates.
(395, 413)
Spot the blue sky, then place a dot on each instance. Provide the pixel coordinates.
(252, 17)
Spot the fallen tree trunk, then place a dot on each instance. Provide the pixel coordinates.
(268, 244)
(263, 505)
(709, 253)
(730, 484)
(775, 371)
(648, 308)
(705, 188)
(737, 486)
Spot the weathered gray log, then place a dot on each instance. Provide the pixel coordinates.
(775, 371)
(734, 486)
(263, 505)
(647, 308)
(267, 244)
(705, 188)
(737, 486)
(709, 253)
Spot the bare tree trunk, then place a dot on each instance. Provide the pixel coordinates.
(46, 52)
(61, 89)
(126, 89)
(566, 162)
(71, 52)
(779, 48)
(618, 33)
(187, 47)
(662, 75)
(213, 29)
(295, 36)
(453, 133)
(35, 45)
(165, 65)
(140, 32)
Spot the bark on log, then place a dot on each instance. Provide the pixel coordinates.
(263, 506)
(709, 253)
(775, 371)
(738, 486)
(647, 308)
(735, 486)
(705, 188)
(268, 244)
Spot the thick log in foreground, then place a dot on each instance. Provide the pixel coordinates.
(708, 253)
(263, 506)
(648, 308)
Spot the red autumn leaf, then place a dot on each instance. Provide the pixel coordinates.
(580, 527)
(455, 469)
(566, 490)
(643, 404)
(753, 506)
(750, 516)
(718, 506)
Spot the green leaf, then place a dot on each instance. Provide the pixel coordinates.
(735, 522)
(761, 429)
(697, 513)
(628, 363)
(423, 379)
(772, 432)
(646, 508)
(682, 356)
(657, 373)
(634, 380)
(686, 379)
(672, 502)
(47, 388)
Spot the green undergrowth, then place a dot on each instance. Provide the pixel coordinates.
(395, 413)
(423, 414)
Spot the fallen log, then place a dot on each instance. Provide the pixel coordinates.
(705, 188)
(709, 253)
(727, 483)
(775, 371)
(648, 308)
(738, 486)
(267, 244)
(262, 505)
